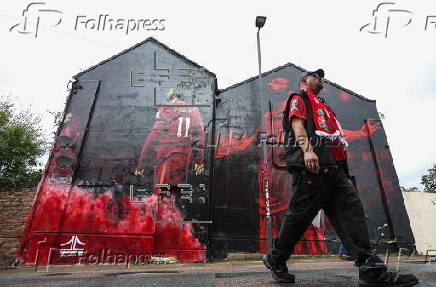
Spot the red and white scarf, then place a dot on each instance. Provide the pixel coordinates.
(325, 122)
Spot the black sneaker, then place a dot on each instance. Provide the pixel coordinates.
(375, 274)
(275, 261)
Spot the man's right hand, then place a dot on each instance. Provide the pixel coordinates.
(310, 158)
(311, 161)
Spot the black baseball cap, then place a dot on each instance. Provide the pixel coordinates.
(319, 72)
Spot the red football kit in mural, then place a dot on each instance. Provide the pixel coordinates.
(171, 139)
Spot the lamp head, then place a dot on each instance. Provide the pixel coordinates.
(260, 21)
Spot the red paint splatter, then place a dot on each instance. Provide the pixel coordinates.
(366, 155)
(344, 96)
(74, 210)
(278, 84)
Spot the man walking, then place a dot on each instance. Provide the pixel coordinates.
(315, 155)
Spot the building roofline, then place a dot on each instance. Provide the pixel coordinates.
(137, 45)
(302, 70)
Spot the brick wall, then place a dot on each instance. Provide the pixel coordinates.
(15, 205)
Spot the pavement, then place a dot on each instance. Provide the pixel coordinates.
(309, 271)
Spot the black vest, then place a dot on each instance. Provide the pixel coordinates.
(293, 153)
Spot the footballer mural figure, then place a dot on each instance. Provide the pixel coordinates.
(173, 144)
(175, 132)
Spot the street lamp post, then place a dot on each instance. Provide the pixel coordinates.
(260, 22)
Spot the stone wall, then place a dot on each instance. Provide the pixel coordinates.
(15, 205)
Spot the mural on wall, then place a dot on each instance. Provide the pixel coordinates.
(128, 175)
(240, 143)
(151, 159)
(312, 241)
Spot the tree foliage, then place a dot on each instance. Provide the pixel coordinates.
(429, 180)
(411, 189)
(22, 142)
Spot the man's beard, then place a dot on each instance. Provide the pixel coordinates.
(318, 88)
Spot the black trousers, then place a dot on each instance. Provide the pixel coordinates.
(333, 192)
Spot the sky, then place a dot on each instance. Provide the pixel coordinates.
(393, 62)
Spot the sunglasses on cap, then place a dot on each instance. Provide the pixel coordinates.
(316, 76)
